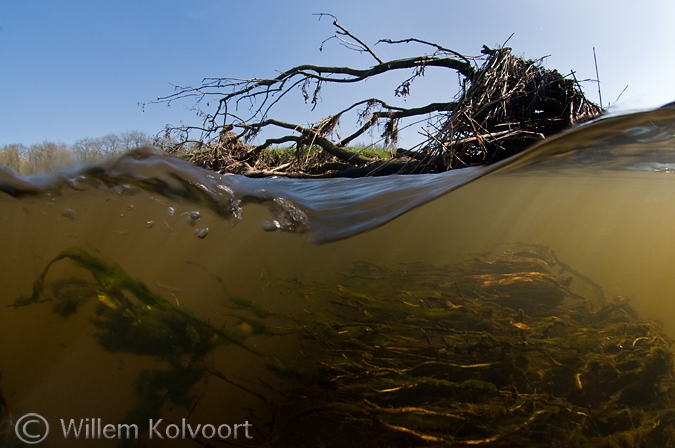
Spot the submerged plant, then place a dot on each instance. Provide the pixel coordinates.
(130, 318)
(144, 324)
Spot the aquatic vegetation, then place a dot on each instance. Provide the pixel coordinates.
(130, 318)
(504, 349)
(143, 326)
(507, 349)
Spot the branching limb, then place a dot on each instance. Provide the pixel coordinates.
(397, 114)
(359, 45)
(318, 73)
(439, 48)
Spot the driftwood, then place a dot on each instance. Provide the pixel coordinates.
(505, 104)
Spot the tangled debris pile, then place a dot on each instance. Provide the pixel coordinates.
(505, 103)
(509, 104)
(503, 350)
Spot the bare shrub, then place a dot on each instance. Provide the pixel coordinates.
(11, 157)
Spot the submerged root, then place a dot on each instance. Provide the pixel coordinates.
(502, 350)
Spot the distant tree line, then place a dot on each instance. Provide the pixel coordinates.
(48, 156)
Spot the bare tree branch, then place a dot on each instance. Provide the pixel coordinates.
(503, 105)
(397, 114)
(439, 48)
(344, 32)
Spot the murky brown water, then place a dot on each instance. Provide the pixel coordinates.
(606, 209)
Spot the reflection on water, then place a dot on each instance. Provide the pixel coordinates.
(150, 288)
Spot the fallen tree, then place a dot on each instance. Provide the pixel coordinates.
(505, 103)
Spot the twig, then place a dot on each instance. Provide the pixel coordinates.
(222, 376)
(432, 44)
(345, 32)
(597, 77)
(617, 98)
(507, 41)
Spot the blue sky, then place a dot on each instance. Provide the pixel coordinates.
(71, 69)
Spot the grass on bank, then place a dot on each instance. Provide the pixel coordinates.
(276, 156)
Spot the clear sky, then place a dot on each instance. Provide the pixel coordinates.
(71, 69)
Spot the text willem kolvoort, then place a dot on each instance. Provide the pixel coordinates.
(93, 428)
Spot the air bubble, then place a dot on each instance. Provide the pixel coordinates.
(69, 213)
(79, 183)
(271, 226)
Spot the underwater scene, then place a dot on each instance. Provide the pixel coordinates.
(147, 302)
